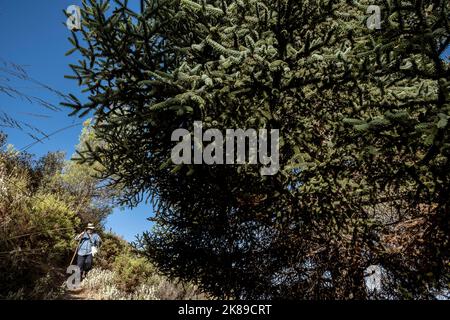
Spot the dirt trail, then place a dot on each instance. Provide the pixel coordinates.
(79, 294)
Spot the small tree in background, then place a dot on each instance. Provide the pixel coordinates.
(363, 118)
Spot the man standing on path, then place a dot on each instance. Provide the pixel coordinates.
(89, 243)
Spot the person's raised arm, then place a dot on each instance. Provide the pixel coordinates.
(78, 237)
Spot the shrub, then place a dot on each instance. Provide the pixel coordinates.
(131, 271)
(112, 247)
(107, 285)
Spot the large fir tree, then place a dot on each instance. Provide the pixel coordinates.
(364, 153)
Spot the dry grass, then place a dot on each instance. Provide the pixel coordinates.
(103, 285)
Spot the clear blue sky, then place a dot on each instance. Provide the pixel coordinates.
(32, 34)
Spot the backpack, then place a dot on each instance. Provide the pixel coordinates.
(94, 249)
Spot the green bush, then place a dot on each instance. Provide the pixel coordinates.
(131, 271)
(112, 247)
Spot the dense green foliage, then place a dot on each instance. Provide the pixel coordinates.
(363, 118)
(43, 205)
